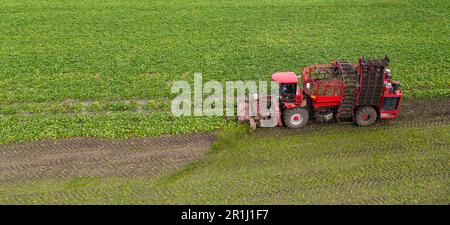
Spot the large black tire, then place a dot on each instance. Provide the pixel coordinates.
(295, 118)
(365, 116)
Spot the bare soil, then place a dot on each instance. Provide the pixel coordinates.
(80, 157)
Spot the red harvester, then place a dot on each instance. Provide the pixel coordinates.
(340, 90)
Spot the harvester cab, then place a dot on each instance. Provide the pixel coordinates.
(288, 85)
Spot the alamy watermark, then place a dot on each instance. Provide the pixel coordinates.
(248, 100)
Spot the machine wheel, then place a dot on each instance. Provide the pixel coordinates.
(365, 116)
(295, 118)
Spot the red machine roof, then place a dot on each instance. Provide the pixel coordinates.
(285, 77)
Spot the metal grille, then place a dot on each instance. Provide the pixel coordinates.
(372, 82)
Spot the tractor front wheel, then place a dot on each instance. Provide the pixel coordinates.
(365, 116)
(295, 118)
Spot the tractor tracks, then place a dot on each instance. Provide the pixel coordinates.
(90, 157)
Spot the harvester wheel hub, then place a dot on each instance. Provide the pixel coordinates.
(296, 119)
(366, 117)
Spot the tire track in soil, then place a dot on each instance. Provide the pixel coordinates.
(91, 157)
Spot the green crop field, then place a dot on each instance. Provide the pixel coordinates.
(57, 56)
(104, 69)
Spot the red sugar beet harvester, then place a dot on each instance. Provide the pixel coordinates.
(359, 93)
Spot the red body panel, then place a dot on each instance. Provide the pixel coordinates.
(327, 101)
(389, 114)
(323, 93)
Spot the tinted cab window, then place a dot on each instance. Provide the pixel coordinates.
(287, 92)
